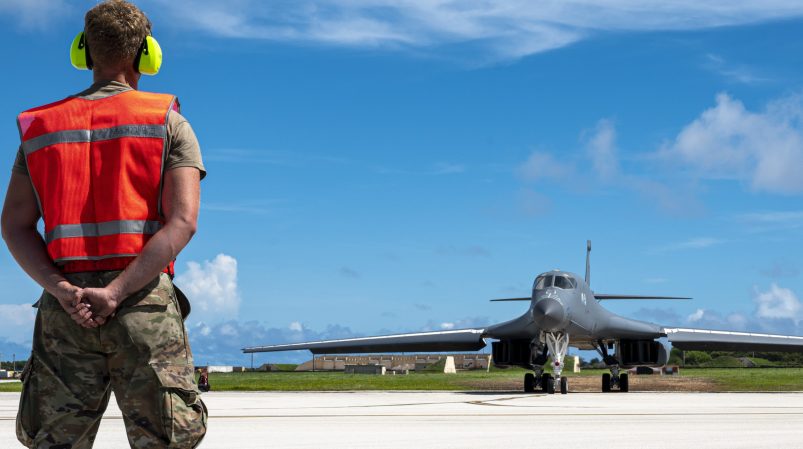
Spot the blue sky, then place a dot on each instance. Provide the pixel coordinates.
(380, 166)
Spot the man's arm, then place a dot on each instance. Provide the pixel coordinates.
(180, 203)
(18, 222)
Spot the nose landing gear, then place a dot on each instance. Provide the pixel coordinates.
(539, 381)
(557, 344)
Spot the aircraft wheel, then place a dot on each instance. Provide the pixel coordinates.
(550, 385)
(606, 383)
(529, 383)
(624, 387)
(545, 378)
(564, 385)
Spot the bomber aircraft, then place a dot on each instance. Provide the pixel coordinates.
(563, 312)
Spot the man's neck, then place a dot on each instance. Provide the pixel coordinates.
(121, 77)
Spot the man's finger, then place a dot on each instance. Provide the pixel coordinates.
(87, 322)
(77, 297)
(81, 315)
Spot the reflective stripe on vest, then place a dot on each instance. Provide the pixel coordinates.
(101, 229)
(96, 167)
(96, 135)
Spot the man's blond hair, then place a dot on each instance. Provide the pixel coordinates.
(114, 31)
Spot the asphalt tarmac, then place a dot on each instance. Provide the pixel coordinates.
(480, 420)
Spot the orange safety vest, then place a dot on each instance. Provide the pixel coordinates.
(97, 170)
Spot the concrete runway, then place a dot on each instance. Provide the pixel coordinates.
(480, 420)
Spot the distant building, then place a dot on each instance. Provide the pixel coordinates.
(415, 362)
(222, 369)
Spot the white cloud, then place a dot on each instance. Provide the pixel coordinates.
(696, 316)
(711, 319)
(465, 323)
(764, 148)
(735, 73)
(212, 289)
(693, 243)
(778, 303)
(505, 28)
(296, 326)
(499, 29)
(33, 14)
(737, 321)
(598, 168)
(17, 326)
(699, 242)
(543, 166)
(228, 330)
(772, 221)
(602, 150)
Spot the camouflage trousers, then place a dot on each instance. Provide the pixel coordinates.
(142, 354)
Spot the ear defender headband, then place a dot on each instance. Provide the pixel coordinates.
(148, 60)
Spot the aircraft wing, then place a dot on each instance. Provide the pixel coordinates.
(442, 341)
(710, 340)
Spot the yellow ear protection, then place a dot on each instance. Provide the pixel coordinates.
(148, 60)
(79, 56)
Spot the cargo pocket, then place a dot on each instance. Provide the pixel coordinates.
(184, 414)
(153, 323)
(28, 424)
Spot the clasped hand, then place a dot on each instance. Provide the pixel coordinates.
(88, 307)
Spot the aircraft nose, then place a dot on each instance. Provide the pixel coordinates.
(548, 314)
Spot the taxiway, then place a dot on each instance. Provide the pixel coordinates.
(479, 420)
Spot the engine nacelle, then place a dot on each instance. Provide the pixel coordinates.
(631, 353)
(512, 353)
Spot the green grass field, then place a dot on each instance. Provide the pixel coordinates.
(722, 379)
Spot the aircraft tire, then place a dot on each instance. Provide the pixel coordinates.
(550, 385)
(564, 385)
(529, 383)
(624, 386)
(606, 383)
(545, 378)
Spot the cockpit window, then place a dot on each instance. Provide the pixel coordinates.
(565, 282)
(543, 282)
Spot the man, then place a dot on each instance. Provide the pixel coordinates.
(114, 173)
(203, 380)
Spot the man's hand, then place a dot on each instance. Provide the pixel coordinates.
(18, 222)
(69, 296)
(103, 303)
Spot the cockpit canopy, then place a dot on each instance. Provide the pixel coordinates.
(561, 281)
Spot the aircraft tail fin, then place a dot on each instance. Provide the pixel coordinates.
(588, 262)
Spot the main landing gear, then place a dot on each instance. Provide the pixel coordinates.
(614, 379)
(557, 344)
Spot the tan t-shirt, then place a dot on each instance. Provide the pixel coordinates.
(183, 148)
